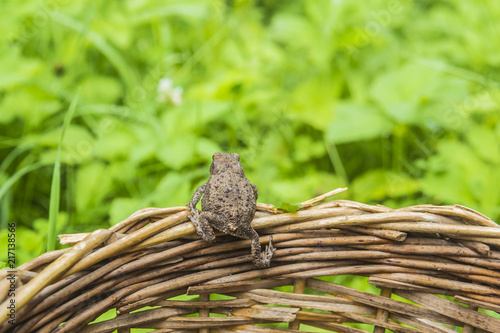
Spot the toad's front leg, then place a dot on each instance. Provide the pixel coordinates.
(200, 220)
(194, 200)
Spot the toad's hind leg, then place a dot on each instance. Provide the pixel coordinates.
(202, 225)
(261, 260)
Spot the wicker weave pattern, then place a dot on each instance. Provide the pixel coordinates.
(416, 253)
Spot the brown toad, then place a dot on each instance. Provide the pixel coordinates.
(228, 205)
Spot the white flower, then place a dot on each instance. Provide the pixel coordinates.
(167, 93)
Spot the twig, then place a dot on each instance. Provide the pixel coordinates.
(322, 197)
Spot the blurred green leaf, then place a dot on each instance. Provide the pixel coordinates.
(307, 149)
(357, 122)
(77, 146)
(286, 24)
(114, 144)
(178, 153)
(315, 183)
(400, 91)
(15, 177)
(200, 113)
(29, 103)
(445, 179)
(173, 189)
(377, 185)
(121, 208)
(485, 143)
(206, 148)
(101, 44)
(16, 69)
(100, 89)
(314, 101)
(93, 183)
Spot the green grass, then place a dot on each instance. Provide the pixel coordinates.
(55, 189)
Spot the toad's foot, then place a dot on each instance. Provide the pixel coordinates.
(262, 260)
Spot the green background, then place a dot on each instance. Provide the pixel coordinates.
(397, 100)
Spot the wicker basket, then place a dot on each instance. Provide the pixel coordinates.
(417, 253)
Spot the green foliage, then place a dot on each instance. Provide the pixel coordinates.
(396, 100)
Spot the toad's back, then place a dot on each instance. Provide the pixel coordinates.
(229, 198)
(232, 199)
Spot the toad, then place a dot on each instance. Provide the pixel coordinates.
(228, 205)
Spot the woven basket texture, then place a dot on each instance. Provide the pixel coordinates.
(444, 259)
